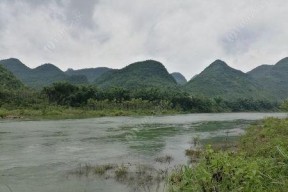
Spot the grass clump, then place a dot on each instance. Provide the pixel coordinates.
(165, 159)
(121, 172)
(259, 165)
(194, 154)
(102, 169)
(88, 169)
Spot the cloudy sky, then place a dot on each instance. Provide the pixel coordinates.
(185, 35)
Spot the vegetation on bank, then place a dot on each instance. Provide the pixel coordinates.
(64, 100)
(260, 163)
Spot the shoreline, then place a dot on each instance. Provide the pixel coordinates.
(74, 113)
(70, 113)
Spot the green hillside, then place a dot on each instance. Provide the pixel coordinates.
(8, 81)
(45, 75)
(91, 73)
(77, 79)
(141, 74)
(220, 80)
(180, 79)
(41, 76)
(21, 71)
(260, 71)
(217, 80)
(273, 78)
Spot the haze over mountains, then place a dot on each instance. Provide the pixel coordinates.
(90, 73)
(217, 80)
(180, 79)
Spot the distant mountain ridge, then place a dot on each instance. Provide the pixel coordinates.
(41, 76)
(180, 79)
(217, 80)
(91, 73)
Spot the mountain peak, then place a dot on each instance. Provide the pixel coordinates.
(147, 73)
(219, 62)
(15, 66)
(146, 63)
(219, 66)
(48, 66)
(12, 61)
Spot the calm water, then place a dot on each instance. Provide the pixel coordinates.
(39, 155)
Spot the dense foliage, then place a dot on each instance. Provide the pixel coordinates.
(148, 100)
(66, 94)
(260, 164)
(24, 99)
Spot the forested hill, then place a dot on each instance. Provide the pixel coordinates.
(180, 79)
(8, 81)
(259, 71)
(273, 78)
(20, 70)
(220, 80)
(41, 76)
(141, 74)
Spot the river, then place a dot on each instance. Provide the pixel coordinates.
(41, 156)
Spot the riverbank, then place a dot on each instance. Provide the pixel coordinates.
(57, 113)
(259, 163)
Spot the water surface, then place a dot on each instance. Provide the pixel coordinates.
(38, 155)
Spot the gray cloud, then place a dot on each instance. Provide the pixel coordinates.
(185, 35)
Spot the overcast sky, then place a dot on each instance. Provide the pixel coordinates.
(185, 35)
